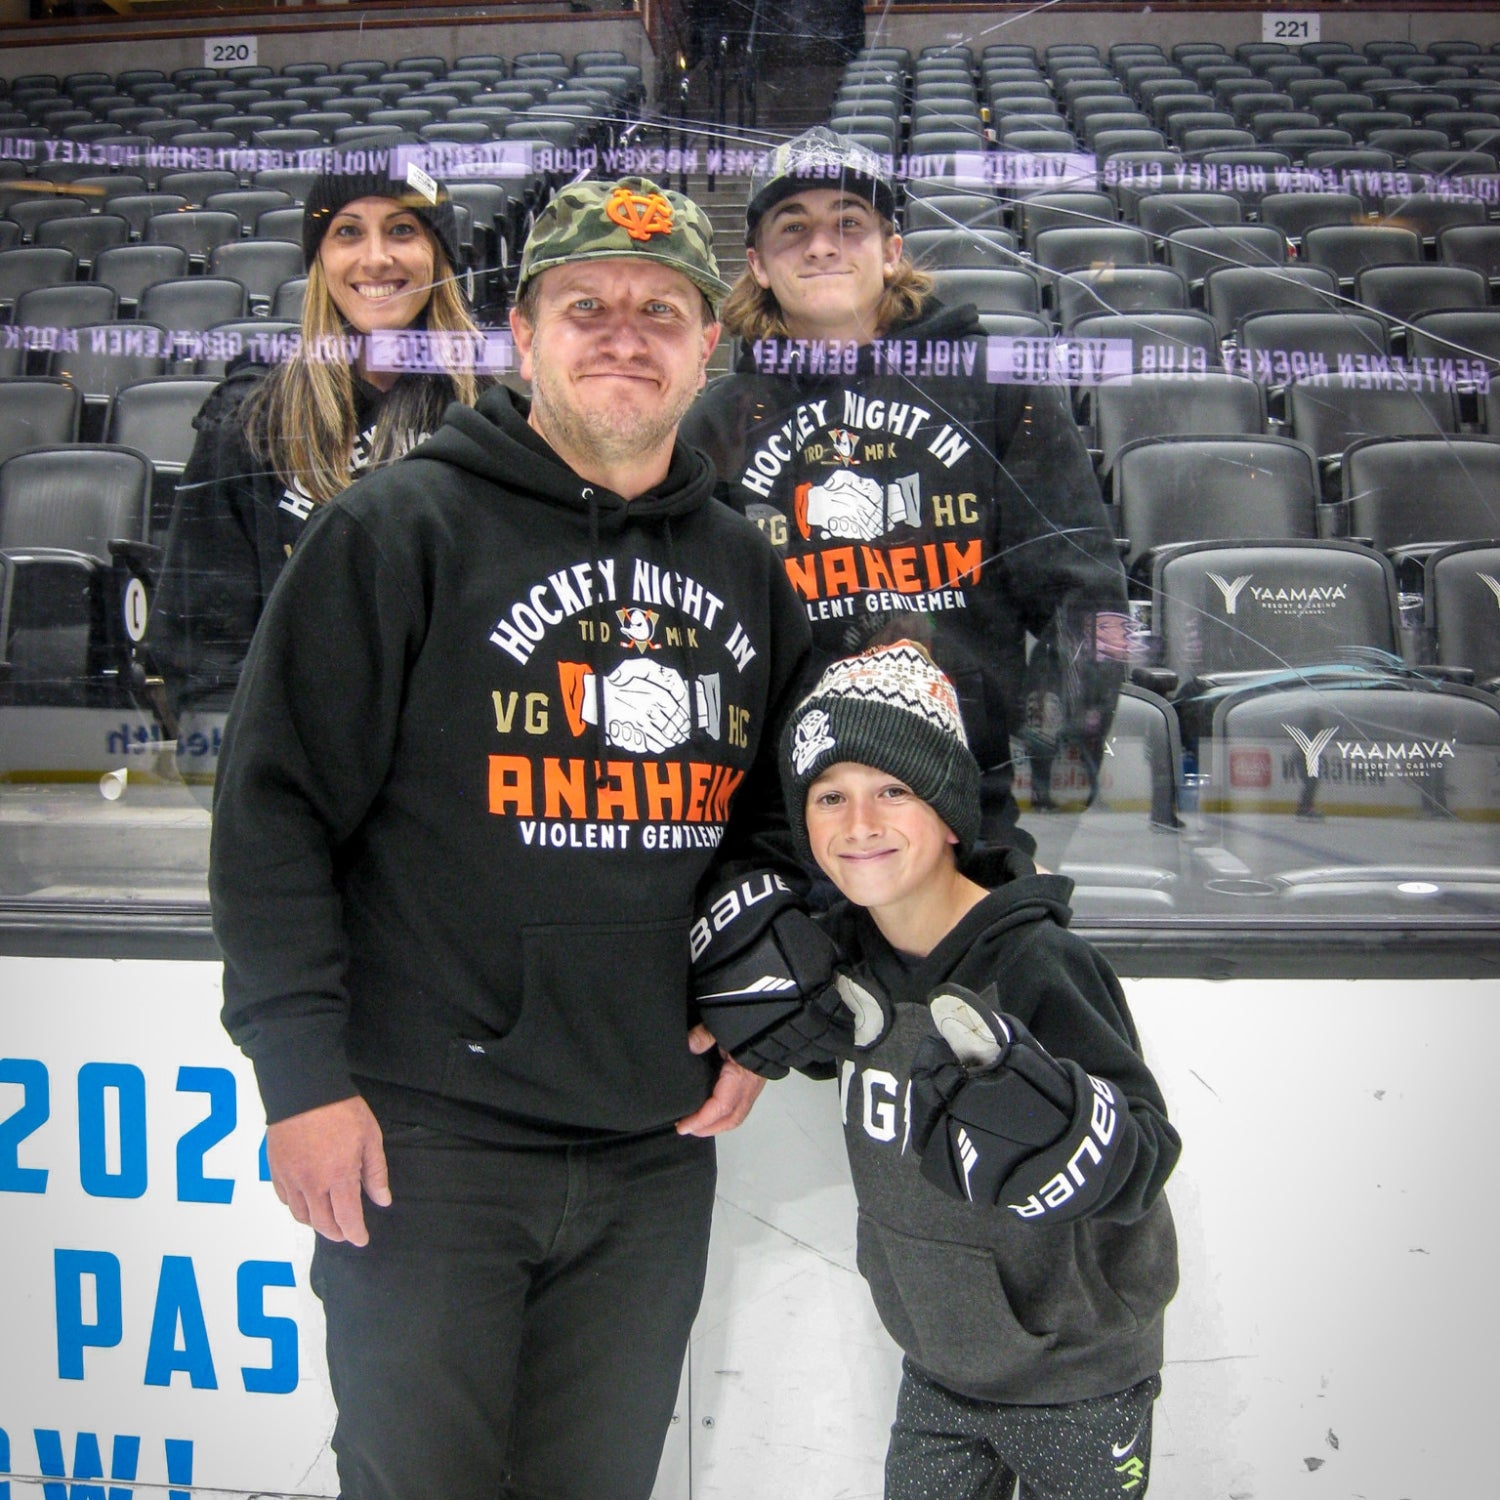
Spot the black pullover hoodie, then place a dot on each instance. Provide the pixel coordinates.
(910, 495)
(497, 727)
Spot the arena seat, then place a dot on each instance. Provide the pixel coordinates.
(1060, 208)
(1232, 293)
(259, 265)
(36, 411)
(1113, 828)
(1294, 213)
(1223, 611)
(1468, 334)
(85, 236)
(1461, 601)
(1410, 495)
(1131, 407)
(1346, 249)
(1160, 214)
(199, 231)
(1187, 489)
(46, 311)
(1090, 248)
(1119, 289)
(1307, 782)
(1160, 342)
(155, 417)
(1333, 413)
(72, 535)
(990, 289)
(1196, 252)
(34, 209)
(941, 249)
(130, 269)
(193, 303)
(1401, 293)
(108, 356)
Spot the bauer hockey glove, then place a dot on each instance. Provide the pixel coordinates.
(767, 983)
(998, 1119)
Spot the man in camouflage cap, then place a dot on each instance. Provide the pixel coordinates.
(458, 888)
(615, 318)
(632, 218)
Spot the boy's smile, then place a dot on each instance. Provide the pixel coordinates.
(888, 850)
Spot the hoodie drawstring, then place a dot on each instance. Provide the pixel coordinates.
(596, 644)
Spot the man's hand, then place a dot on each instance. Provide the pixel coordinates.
(320, 1161)
(735, 1090)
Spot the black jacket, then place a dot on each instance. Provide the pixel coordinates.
(424, 887)
(932, 505)
(234, 524)
(986, 1303)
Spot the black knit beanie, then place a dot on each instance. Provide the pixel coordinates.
(395, 172)
(894, 709)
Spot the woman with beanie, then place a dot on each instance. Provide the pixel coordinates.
(381, 248)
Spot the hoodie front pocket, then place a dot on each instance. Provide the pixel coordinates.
(943, 1304)
(601, 1040)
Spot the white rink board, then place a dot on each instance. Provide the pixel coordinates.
(95, 1041)
(1330, 1337)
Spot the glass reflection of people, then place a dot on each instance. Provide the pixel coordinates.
(275, 443)
(908, 496)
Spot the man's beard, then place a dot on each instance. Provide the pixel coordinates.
(611, 434)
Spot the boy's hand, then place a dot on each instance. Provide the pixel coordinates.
(997, 1118)
(767, 982)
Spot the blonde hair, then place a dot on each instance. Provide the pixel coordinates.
(751, 310)
(301, 420)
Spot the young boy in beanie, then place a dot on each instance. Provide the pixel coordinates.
(1008, 1143)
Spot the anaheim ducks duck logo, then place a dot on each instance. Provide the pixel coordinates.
(640, 215)
(638, 628)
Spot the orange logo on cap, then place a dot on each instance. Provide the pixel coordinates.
(640, 215)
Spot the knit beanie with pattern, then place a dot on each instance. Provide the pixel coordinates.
(894, 709)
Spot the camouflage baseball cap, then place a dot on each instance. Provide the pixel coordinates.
(631, 217)
(818, 159)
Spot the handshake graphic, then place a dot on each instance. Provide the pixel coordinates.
(857, 507)
(646, 706)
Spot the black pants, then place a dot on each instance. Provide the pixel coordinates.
(944, 1444)
(515, 1329)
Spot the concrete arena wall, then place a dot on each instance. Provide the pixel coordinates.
(979, 26)
(284, 37)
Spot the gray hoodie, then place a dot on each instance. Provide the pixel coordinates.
(987, 1304)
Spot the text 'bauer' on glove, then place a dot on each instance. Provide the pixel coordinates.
(767, 984)
(998, 1119)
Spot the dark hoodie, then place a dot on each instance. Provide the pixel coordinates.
(425, 889)
(233, 527)
(988, 1304)
(981, 517)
